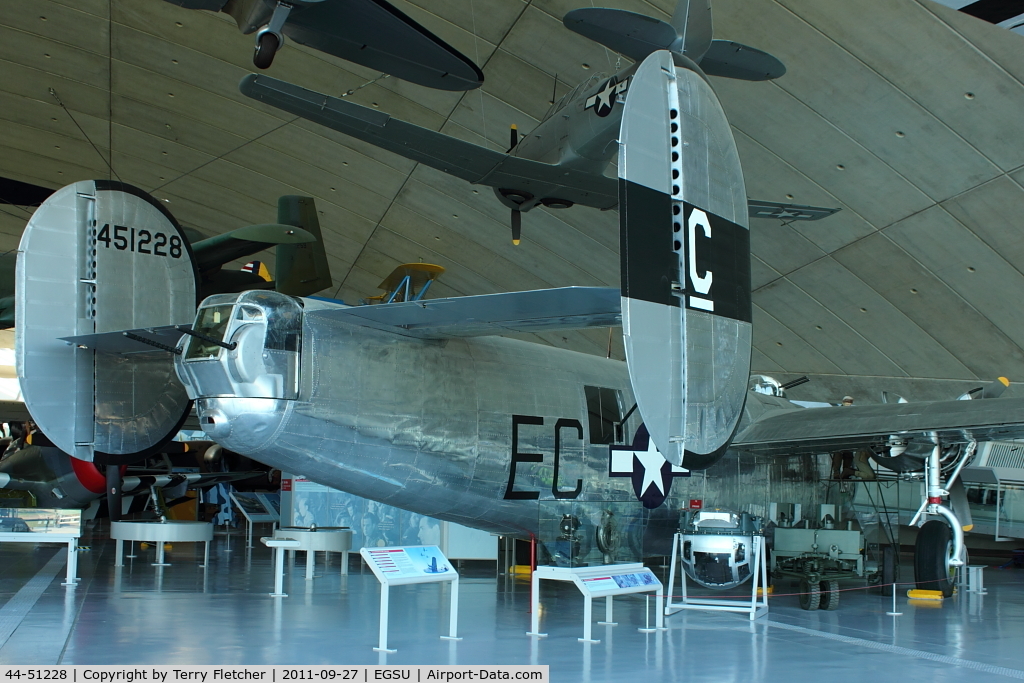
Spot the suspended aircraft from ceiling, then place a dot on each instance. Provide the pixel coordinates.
(373, 33)
(564, 159)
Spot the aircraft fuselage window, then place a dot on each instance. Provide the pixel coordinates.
(604, 414)
(211, 322)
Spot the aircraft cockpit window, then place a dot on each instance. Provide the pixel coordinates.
(249, 314)
(211, 322)
(605, 414)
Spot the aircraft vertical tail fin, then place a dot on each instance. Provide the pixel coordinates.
(685, 252)
(98, 257)
(692, 22)
(302, 269)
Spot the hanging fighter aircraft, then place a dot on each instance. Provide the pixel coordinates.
(563, 161)
(419, 404)
(373, 33)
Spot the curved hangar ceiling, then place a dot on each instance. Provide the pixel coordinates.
(903, 112)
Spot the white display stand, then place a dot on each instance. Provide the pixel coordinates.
(595, 582)
(158, 533)
(280, 545)
(324, 539)
(255, 510)
(45, 525)
(399, 566)
(72, 541)
(755, 608)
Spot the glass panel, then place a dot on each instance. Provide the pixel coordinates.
(211, 322)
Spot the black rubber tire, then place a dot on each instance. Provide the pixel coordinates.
(829, 595)
(890, 569)
(810, 595)
(931, 557)
(267, 45)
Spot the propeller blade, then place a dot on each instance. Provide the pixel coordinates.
(114, 492)
(513, 137)
(996, 389)
(517, 225)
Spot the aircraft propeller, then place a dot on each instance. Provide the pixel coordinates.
(517, 215)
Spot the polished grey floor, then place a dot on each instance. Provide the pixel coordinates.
(184, 615)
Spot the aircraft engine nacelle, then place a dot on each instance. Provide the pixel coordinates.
(718, 547)
(685, 252)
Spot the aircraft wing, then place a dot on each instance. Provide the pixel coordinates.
(472, 163)
(823, 430)
(465, 160)
(540, 310)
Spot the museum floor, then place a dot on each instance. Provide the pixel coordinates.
(184, 615)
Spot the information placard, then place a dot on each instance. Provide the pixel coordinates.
(254, 508)
(409, 564)
(621, 584)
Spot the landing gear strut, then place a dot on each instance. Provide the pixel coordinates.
(269, 39)
(940, 543)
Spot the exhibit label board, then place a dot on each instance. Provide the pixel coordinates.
(409, 564)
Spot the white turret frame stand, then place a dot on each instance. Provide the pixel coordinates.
(596, 582)
(392, 567)
(755, 608)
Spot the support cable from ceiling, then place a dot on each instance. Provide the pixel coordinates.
(347, 93)
(106, 162)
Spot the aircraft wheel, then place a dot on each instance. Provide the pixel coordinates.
(934, 550)
(810, 595)
(829, 595)
(889, 570)
(266, 47)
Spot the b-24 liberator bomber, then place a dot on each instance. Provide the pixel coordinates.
(563, 161)
(423, 405)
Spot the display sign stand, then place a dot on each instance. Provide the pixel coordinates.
(280, 545)
(595, 582)
(755, 608)
(255, 510)
(45, 525)
(399, 566)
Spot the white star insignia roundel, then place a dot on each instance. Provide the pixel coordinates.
(651, 473)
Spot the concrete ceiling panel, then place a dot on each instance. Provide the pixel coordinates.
(781, 247)
(822, 329)
(877, 320)
(783, 347)
(489, 20)
(993, 211)
(933, 65)
(840, 165)
(965, 263)
(904, 134)
(761, 273)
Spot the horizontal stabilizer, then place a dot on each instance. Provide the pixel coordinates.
(628, 33)
(539, 310)
(636, 36)
(729, 59)
(459, 158)
(144, 340)
(787, 212)
(824, 430)
(216, 251)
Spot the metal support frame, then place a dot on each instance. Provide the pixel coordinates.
(588, 604)
(755, 608)
(453, 616)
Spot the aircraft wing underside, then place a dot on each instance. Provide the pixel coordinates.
(456, 157)
(473, 163)
(822, 430)
(539, 310)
